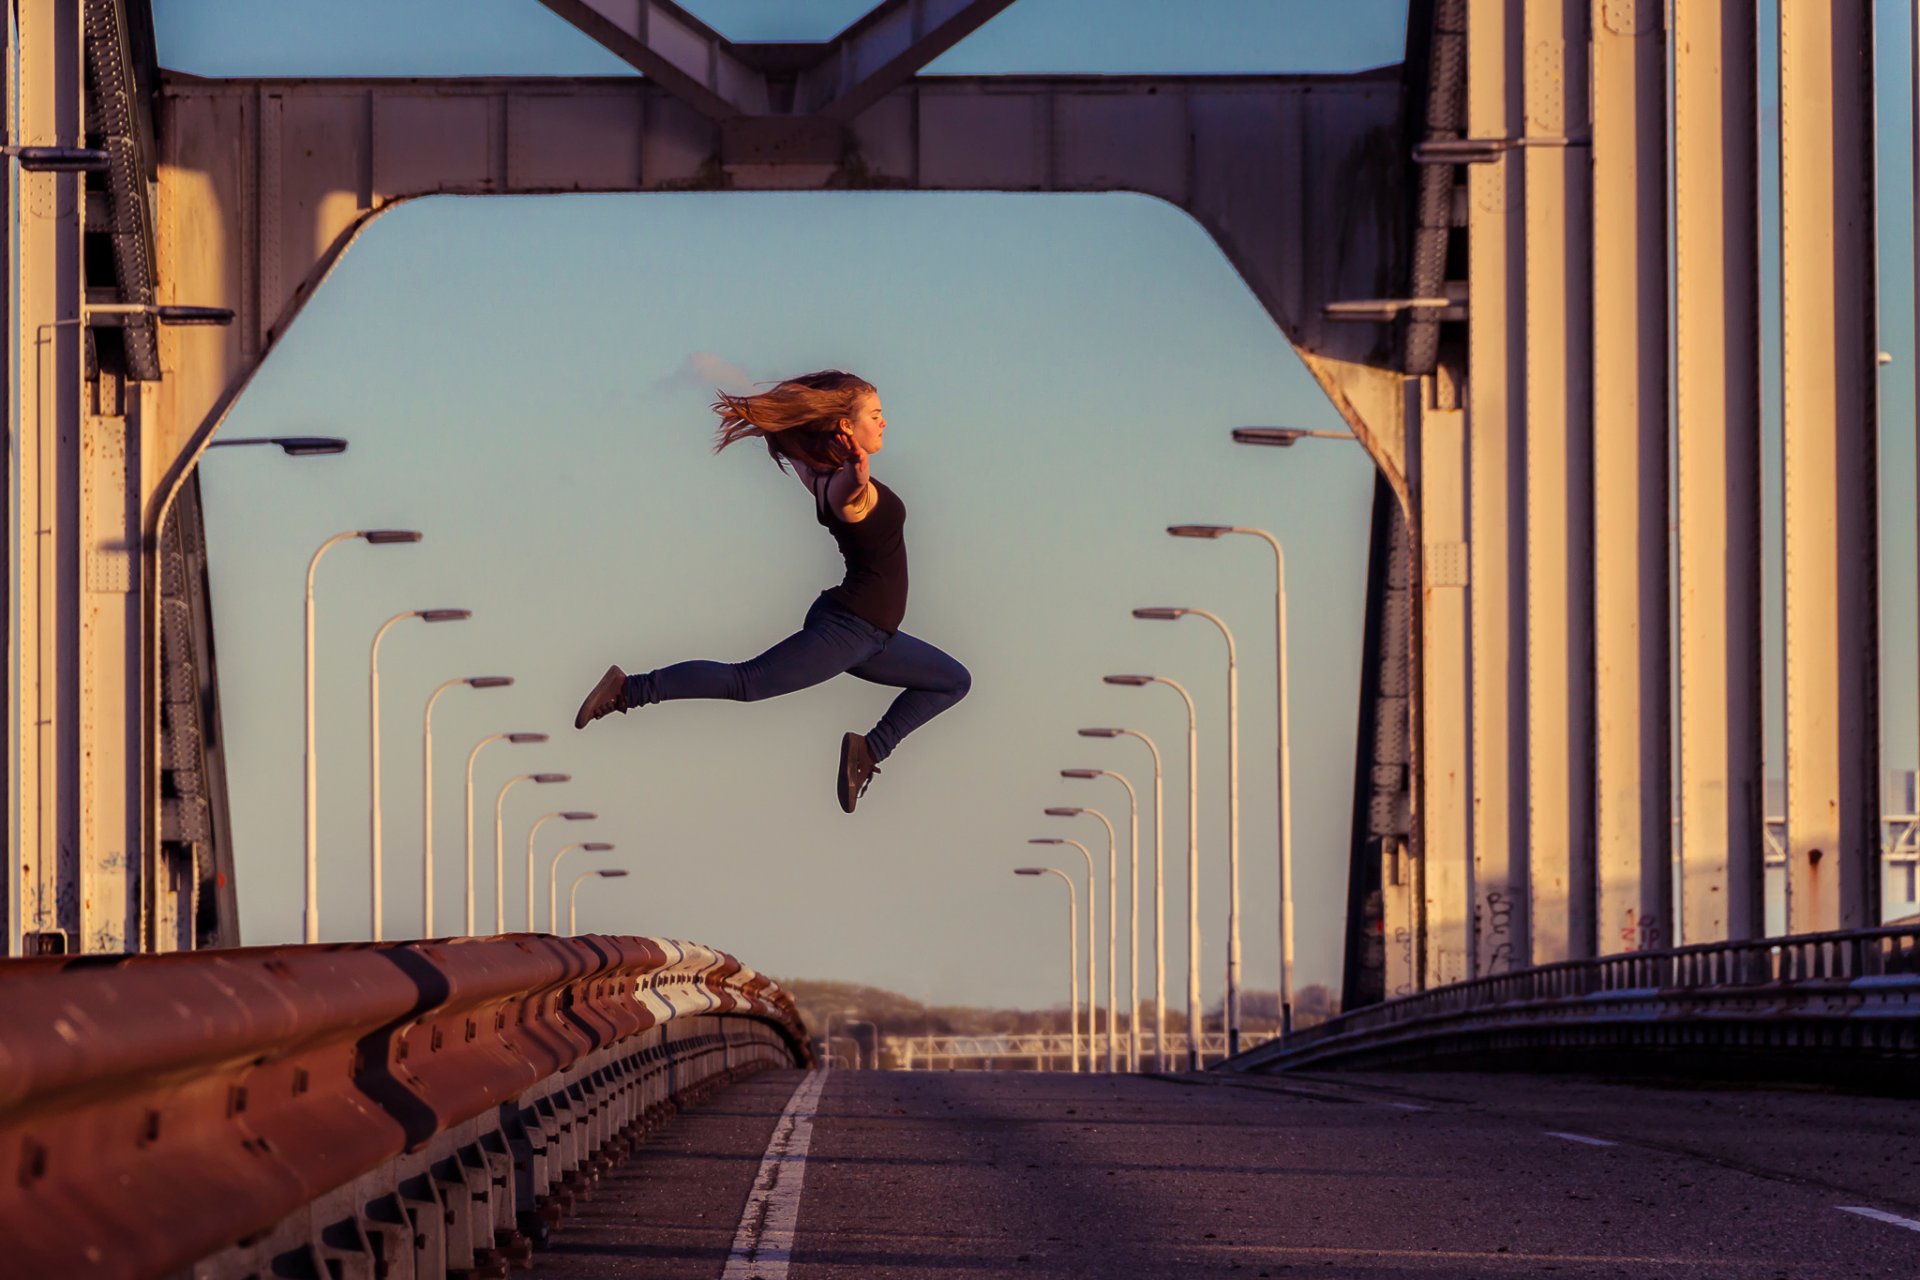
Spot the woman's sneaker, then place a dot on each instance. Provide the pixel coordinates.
(856, 770)
(607, 696)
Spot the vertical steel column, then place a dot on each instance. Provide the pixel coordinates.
(1831, 419)
(1559, 518)
(49, 342)
(1632, 730)
(1438, 450)
(1716, 168)
(1496, 424)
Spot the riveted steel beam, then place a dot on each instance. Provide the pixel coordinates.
(1831, 457)
(1632, 735)
(1496, 427)
(1559, 485)
(1717, 369)
(671, 47)
(883, 50)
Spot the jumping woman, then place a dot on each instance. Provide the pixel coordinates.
(823, 427)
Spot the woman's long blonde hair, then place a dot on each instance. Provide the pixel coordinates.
(799, 418)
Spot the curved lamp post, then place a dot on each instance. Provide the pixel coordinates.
(517, 739)
(1193, 856)
(1113, 883)
(373, 721)
(1233, 811)
(570, 815)
(1159, 900)
(1087, 855)
(1133, 911)
(553, 872)
(573, 894)
(1285, 763)
(500, 847)
(426, 793)
(1073, 959)
(378, 537)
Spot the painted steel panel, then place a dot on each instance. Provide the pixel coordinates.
(1831, 404)
(1716, 273)
(1496, 423)
(432, 141)
(1446, 756)
(1632, 731)
(575, 142)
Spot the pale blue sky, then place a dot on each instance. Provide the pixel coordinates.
(1060, 373)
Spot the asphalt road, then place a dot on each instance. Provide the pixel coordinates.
(930, 1176)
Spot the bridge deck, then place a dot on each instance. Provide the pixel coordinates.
(979, 1174)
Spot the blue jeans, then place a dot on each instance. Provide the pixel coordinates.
(831, 641)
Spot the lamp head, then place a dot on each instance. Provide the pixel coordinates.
(1279, 437)
(553, 777)
(1132, 682)
(1029, 871)
(1100, 733)
(61, 159)
(1045, 840)
(1064, 812)
(610, 873)
(193, 315)
(596, 846)
(1199, 530)
(445, 615)
(1083, 773)
(521, 739)
(576, 815)
(310, 446)
(380, 537)
(489, 682)
(1160, 614)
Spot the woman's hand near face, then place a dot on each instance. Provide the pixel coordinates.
(849, 492)
(856, 463)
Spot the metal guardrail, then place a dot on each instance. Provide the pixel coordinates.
(399, 1110)
(1053, 1049)
(1852, 993)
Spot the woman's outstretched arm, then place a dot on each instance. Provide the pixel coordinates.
(848, 491)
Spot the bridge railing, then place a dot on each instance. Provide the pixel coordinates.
(1051, 1050)
(400, 1110)
(1855, 991)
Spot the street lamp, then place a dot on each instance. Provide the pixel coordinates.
(426, 795)
(1087, 855)
(1285, 739)
(570, 815)
(1193, 856)
(499, 843)
(573, 895)
(1073, 960)
(553, 883)
(378, 537)
(1064, 811)
(1285, 437)
(517, 739)
(1159, 901)
(1233, 811)
(373, 734)
(59, 159)
(292, 446)
(1133, 911)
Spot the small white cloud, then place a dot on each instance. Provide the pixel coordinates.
(706, 372)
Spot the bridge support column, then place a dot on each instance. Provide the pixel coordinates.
(48, 377)
(1496, 425)
(1559, 485)
(1717, 369)
(1632, 732)
(1439, 454)
(1831, 456)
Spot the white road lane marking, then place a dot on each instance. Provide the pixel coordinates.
(1581, 1137)
(1880, 1215)
(763, 1244)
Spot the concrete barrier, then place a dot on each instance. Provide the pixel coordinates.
(395, 1110)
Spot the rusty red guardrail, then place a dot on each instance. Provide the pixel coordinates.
(161, 1112)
